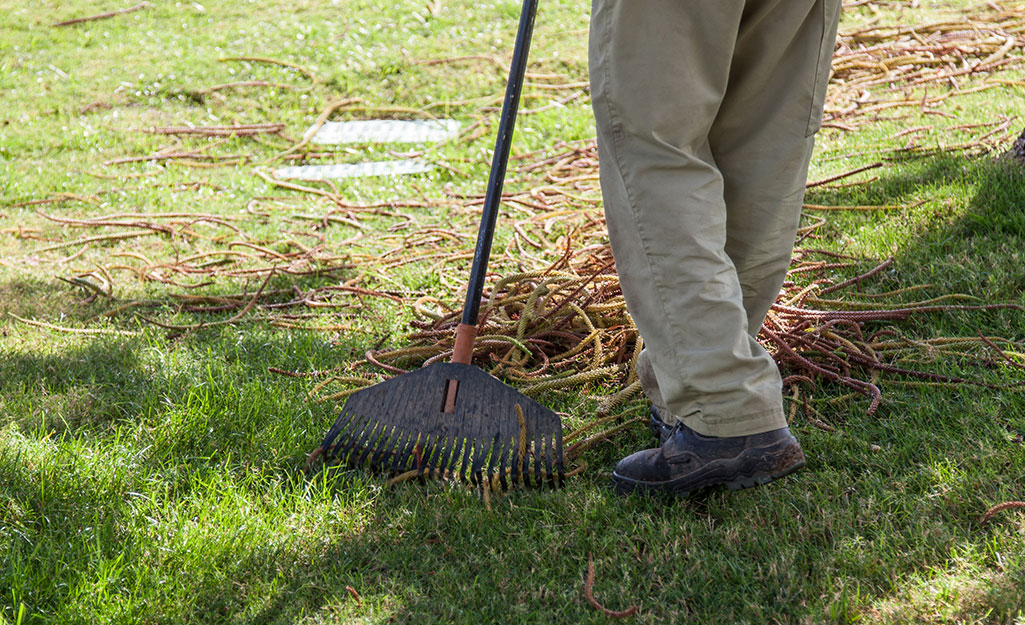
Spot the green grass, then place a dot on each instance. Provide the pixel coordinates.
(155, 478)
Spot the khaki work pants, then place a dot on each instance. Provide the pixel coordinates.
(706, 111)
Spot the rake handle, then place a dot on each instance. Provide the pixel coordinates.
(466, 334)
(471, 308)
(466, 331)
(462, 353)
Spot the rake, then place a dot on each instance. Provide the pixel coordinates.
(453, 419)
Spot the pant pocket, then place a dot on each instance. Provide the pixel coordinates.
(830, 13)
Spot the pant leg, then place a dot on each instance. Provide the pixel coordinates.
(660, 72)
(764, 158)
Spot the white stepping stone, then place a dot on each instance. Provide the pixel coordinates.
(385, 131)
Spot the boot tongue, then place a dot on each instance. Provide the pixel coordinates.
(676, 443)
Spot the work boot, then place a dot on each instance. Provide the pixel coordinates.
(687, 462)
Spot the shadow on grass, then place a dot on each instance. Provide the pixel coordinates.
(902, 181)
(970, 237)
(32, 297)
(982, 252)
(51, 299)
(85, 388)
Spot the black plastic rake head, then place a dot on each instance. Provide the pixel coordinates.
(401, 424)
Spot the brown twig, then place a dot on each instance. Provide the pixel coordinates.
(355, 595)
(101, 16)
(262, 59)
(97, 223)
(175, 155)
(1005, 357)
(859, 279)
(863, 208)
(846, 174)
(237, 130)
(102, 237)
(320, 121)
(999, 508)
(243, 83)
(66, 330)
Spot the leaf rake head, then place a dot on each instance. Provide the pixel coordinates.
(491, 431)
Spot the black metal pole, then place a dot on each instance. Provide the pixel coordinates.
(471, 308)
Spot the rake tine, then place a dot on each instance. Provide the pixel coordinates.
(405, 461)
(441, 454)
(499, 461)
(445, 452)
(519, 463)
(516, 461)
(557, 460)
(461, 460)
(479, 456)
(397, 444)
(420, 451)
(439, 450)
(454, 446)
(346, 439)
(426, 451)
(404, 442)
(343, 421)
(343, 439)
(452, 464)
(528, 447)
(366, 440)
(361, 443)
(496, 448)
(384, 446)
(353, 439)
(548, 452)
(515, 474)
(536, 449)
(465, 464)
(364, 444)
(506, 459)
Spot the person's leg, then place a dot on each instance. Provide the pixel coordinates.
(702, 245)
(763, 135)
(659, 72)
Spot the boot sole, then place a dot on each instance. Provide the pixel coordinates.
(789, 459)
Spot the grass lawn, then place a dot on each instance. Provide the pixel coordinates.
(151, 469)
